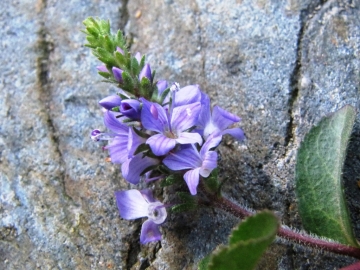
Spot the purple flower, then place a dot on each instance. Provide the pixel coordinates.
(145, 73)
(218, 121)
(118, 140)
(187, 95)
(134, 167)
(171, 127)
(102, 68)
(131, 108)
(134, 141)
(110, 102)
(117, 72)
(196, 163)
(133, 204)
(119, 50)
(138, 57)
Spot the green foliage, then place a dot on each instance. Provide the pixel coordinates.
(172, 179)
(212, 181)
(104, 46)
(247, 243)
(319, 187)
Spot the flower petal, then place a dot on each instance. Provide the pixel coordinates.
(112, 123)
(160, 144)
(187, 95)
(184, 159)
(110, 102)
(132, 168)
(237, 133)
(184, 117)
(131, 204)
(205, 113)
(222, 118)
(147, 194)
(118, 149)
(211, 142)
(209, 163)
(192, 180)
(134, 141)
(189, 137)
(159, 123)
(149, 232)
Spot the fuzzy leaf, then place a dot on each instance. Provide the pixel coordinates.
(318, 172)
(247, 243)
(212, 181)
(172, 179)
(184, 207)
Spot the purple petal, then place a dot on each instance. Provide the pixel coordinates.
(222, 118)
(205, 113)
(184, 159)
(118, 149)
(237, 133)
(147, 194)
(209, 163)
(192, 180)
(119, 50)
(187, 95)
(102, 68)
(161, 86)
(112, 123)
(117, 74)
(211, 142)
(131, 108)
(189, 137)
(160, 144)
(132, 168)
(138, 57)
(131, 204)
(110, 102)
(149, 232)
(134, 141)
(145, 73)
(148, 119)
(184, 117)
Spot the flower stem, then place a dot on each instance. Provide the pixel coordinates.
(285, 232)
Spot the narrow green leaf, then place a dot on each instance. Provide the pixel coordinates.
(318, 172)
(247, 243)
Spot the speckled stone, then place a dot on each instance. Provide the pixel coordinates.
(280, 65)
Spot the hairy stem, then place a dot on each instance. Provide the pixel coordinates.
(284, 232)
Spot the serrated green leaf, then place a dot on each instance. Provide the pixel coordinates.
(244, 251)
(318, 172)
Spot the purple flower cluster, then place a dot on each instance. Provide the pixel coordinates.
(176, 129)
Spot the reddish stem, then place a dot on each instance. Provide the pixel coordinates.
(285, 232)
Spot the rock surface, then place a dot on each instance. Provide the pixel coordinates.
(281, 66)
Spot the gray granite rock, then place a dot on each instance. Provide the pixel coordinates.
(281, 66)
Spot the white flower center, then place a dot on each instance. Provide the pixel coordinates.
(157, 212)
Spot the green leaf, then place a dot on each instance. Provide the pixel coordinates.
(184, 207)
(212, 181)
(318, 172)
(172, 179)
(247, 243)
(203, 265)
